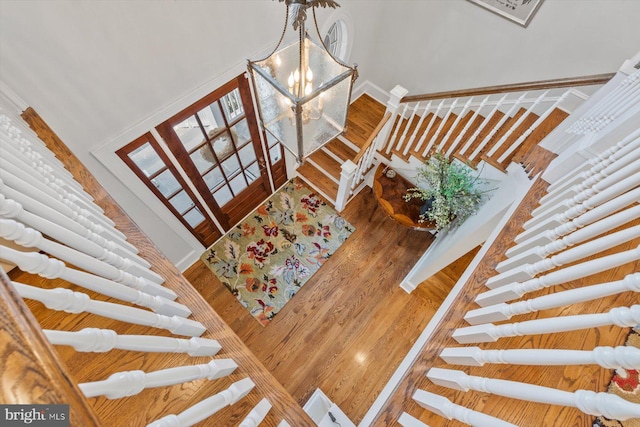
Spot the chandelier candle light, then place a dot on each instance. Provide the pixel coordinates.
(303, 91)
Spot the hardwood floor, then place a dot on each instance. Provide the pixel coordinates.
(569, 378)
(349, 327)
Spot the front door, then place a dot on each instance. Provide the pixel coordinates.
(217, 143)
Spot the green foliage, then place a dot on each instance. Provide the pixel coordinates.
(452, 188)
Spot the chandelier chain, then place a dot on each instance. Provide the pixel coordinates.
(284, 31)
(315, 22)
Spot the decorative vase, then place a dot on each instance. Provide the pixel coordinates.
(426, 207)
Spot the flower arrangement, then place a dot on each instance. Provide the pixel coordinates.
(450, 187)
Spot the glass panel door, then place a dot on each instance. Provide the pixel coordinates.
(147, 160)
(217, 142)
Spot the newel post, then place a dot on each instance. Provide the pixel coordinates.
(397, 93)
(346, 181)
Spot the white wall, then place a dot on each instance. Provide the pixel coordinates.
(103, 72)
(435, 45)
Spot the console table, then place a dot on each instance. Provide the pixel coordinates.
(389, 193)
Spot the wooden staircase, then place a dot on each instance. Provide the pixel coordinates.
(461, 136)
(477, 127)
(322, 169)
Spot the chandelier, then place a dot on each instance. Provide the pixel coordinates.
(303, 91)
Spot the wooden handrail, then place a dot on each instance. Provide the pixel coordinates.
(32, 372)
(516, 87)
(372, 137)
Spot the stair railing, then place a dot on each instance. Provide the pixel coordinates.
(43, 208)
(354, 172)
(585, 238)
(491, 123)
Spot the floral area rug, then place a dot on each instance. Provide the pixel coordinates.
(626, 384)
(265, 260)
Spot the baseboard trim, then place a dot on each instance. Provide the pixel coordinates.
(374, 91)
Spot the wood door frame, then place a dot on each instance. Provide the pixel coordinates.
(167, 132)
(203, 231)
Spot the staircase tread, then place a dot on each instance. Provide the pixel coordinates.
(484, 132)
(327, 163)
(430, 134)
(341, 150)
(364, 115)
(522, 127)
(556, 117)
(456, 131)
(318, 180)
(443, 132)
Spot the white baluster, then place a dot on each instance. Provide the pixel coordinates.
(482, 126)
(630, 99)
(581, 235)
(467, 144)
(130, 383)
(257, 414)
(17, 159)
(395, 138)
(51, 268)
(443, 122)
(629, 171)
(593, 165)
(462, 114)
(602, 109)
(42, 158)
(518, 142)
(30, 238)
(627, 159)
(89, 243)
(605, 195)
(23, 171)
(10, 181)
(102, 340)
(600, 113)
(590, 216)
(573, 272)
(208, 407)
(503, 311)
(433, 138)
(613, 154)
(415, 131)
(445, 408)
(498, 125)
(407, 420)
(510, 113)
(423, 137)
(13, 132)
(403, 138)
(578, 193)
(397, 93)
(488, 332)
(77, 302)
(529, 271)
(589, 402)
(626, 357)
